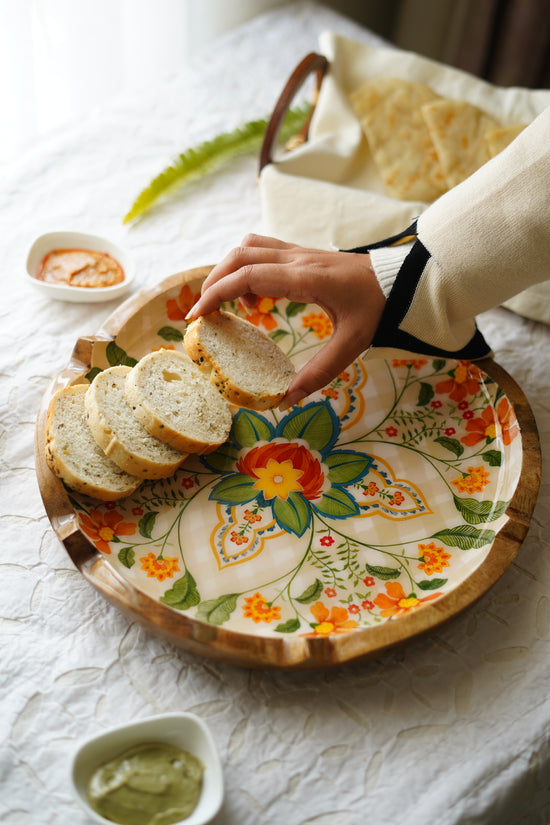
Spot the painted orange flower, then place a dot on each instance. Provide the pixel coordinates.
(261, 314)
(330, 392)
(480, 428)
(394, 602)
(508, 422)
(288, 473)
(474, 482)
(161, 567)
(251, 517)
(415, 363)
(177, 308)
(319, 323)
(465, 380)
(492, 422)
(336, 620)
(281, 468)
(102, 528)
(434, 558)
(257, 608)
(238, 538)
(372, 489)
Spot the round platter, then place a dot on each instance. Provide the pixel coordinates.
(372, 512)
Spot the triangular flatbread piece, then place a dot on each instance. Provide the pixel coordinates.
(389, 110)
(498, 139)
(457, 129)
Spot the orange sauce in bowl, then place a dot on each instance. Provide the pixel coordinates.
(80, 267)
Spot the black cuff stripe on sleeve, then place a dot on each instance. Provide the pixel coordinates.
(404, 286)
(401, 297)
(398, 303)
(476, 347)
(394, 240)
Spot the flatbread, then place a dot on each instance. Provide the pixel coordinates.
(390, 112)
(498, 139)
(457, 129)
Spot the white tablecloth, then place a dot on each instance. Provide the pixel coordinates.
(452, 728)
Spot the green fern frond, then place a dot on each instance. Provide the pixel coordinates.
(208, 156)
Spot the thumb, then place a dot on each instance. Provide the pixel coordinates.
(337, 354)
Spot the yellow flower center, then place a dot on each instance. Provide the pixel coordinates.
(319, 323)
(461, 374)
(257, 609)
(324, 629)
(411, 601)
(278, 479)
(266, 305)
(106, 533)
(160, 568)
(491, 431)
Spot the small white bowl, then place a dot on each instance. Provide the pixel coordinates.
(78, 240)
(181, 730)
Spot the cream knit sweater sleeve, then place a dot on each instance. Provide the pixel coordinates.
(478, 245)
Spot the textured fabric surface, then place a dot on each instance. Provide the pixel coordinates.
(452, 728)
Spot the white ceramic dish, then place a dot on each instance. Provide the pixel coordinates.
(182, 730)
(78, 240)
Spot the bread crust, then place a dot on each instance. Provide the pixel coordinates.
(62, 469)
(182, 406)
(224, 383)
(110, 442)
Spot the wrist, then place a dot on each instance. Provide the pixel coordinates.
(386, 262)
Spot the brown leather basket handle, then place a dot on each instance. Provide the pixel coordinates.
(313, 62)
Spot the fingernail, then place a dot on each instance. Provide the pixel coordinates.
(191, 315)
(292, 399)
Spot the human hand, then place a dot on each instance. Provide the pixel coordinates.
(343, 284)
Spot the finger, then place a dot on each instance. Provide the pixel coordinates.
(336, 355)
(270, 279)
(252, 248)
(243, 256)
(265, 241)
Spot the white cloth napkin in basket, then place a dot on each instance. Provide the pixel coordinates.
(327, 193)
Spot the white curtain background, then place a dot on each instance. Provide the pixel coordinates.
(61, 58)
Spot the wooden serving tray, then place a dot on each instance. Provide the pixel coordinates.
(372, 512)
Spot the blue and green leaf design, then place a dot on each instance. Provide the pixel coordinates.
(318, 426)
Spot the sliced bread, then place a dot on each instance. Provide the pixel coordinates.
(176, 403)
(119, 433)
(245, 365)
(73, 455)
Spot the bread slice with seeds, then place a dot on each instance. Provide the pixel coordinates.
(245, 365)
(119, 433)
(73, 455)
(176, 403)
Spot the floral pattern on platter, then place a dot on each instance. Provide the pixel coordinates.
(360, 505)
